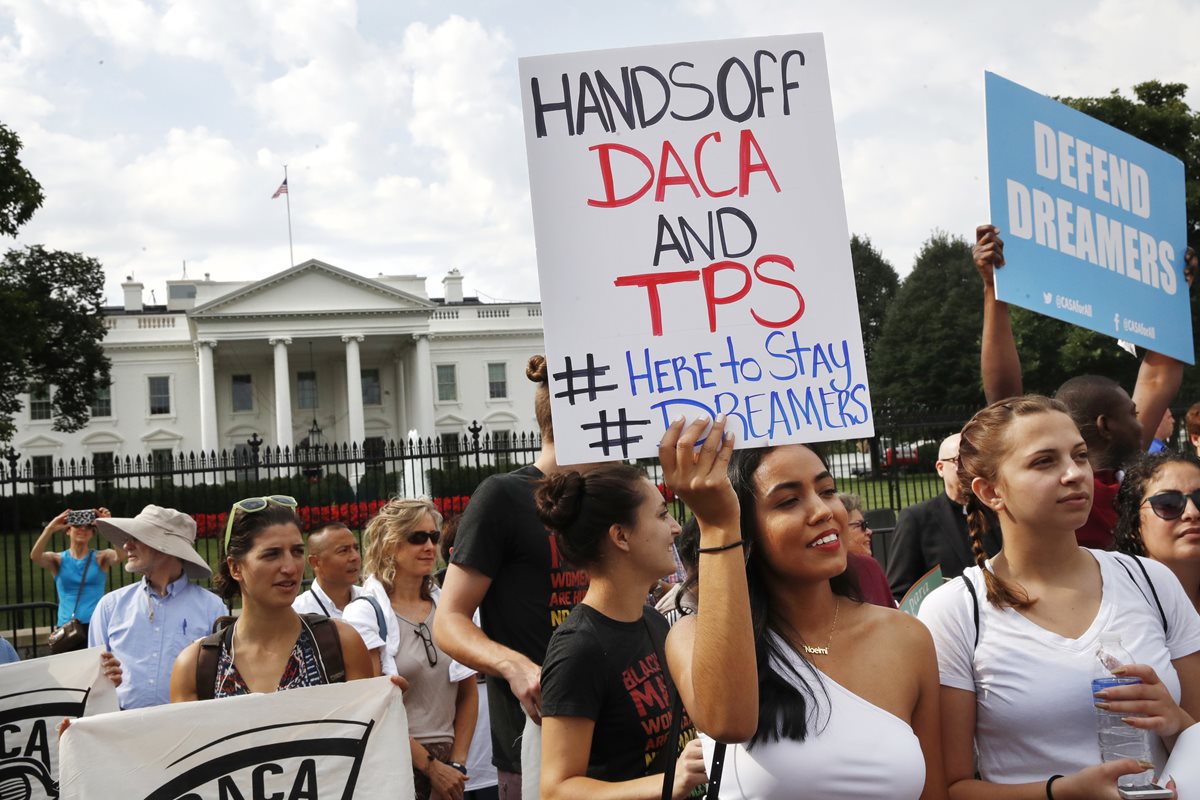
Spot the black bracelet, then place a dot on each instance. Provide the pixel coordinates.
(1049, 783)
(460, 767)
(723, 547)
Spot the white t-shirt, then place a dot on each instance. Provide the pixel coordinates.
(316, 601)
(1035, 715)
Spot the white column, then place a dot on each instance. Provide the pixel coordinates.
(422, 384)
(401, 400)
(354, 400)
(208, 396)
(283, 393)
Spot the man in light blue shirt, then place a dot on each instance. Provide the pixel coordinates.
(145, 625)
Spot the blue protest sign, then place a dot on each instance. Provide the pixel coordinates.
(1093, 220)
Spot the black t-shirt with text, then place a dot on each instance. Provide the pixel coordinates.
(610, 672)
(533, 589)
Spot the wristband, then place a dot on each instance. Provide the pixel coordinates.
(460, 767)
(1049, 783)
(723, 547)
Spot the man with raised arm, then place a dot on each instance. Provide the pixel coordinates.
(1116, 427)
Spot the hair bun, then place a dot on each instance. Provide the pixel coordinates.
(536, 370)
(559, 500)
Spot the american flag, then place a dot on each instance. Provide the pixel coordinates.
(281, 190)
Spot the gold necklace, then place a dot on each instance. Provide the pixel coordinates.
(824, 651)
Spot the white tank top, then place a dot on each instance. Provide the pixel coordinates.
(854, 751)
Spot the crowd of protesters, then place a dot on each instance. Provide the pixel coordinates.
(775, 664)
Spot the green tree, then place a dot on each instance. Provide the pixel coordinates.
(876, 282)
(928, 352)
(51, 329)
(20, 193)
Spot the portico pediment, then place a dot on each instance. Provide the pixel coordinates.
(308, 289)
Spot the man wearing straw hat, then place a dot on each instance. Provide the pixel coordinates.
(145, 625)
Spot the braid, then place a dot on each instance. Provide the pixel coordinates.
(999, 592)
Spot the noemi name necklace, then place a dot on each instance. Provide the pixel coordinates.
(824, 651)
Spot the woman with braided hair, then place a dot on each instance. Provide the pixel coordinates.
(1017, 635)
(1158, 515)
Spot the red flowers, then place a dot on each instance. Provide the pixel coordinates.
(352, 515)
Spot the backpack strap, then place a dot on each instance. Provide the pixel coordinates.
(974, 607)
(324, 633)
(322, 630)
(207, 657)
(1162, 615)
(380, 620)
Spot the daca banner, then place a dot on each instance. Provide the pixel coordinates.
(1093, 220)
(36, 696)
(346, 740)
(692, 247)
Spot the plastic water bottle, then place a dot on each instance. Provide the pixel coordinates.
(1117, 739)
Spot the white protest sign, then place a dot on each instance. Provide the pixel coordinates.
(337, 741)
(36, 696)
(692, 245)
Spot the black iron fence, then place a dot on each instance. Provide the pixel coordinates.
(348, 483)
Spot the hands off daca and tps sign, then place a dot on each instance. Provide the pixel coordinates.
(692, 245)
(1094, 221)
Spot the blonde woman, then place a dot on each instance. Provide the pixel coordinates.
(395, 620)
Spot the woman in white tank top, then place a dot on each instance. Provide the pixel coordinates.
(820, 694)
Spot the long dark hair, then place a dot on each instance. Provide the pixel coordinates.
(782, 707)
(1131, 495)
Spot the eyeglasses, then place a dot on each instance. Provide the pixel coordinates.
(421, 537)
(253, 504)
(1171, 505)
(427, 639)
(949, 460)
(857, 526)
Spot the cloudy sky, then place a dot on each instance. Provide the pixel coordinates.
(159, 129)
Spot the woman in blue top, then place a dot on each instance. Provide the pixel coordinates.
(68, 567)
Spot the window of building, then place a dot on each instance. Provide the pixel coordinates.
(103, 467)
(161, 461)
(497, 381)
(40, 407)
(243, 460)
(102, 404)
(160, 394)
(450, 449)
(42, 471)
(243, 393)
(181, 291)
(306, 390)
(447, 383)
(502, 446)
(372, 392)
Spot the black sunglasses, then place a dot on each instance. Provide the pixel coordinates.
(421, 537)
(1171, 505)
(427, 639)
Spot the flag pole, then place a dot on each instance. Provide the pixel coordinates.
(288, 198)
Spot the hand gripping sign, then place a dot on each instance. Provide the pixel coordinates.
(346, 740)
(692, 245)
(1093, 220)
(36, 696)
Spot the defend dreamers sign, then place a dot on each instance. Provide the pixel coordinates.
(692, 244)
(1093, 219)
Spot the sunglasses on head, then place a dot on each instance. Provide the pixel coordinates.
(421, 537)
(253, 504)
(1171, 505)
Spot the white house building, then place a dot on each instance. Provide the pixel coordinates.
(362, 360)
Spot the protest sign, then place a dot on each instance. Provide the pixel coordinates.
(1184, 765)
(338, 741)
(37, 695)
(1093, 220)
(693, 253)
(915, 596)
